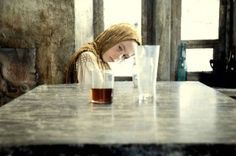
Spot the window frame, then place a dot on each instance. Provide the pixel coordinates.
(221, 45)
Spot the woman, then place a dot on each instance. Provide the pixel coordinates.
(116, 43)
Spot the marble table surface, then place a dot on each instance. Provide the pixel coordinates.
(185, 116)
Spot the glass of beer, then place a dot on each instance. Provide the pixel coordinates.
(102, 87)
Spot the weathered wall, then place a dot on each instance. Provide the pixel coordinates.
(83, 30)
(47, 26)
(163, 31)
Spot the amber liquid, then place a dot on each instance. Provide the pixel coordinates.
(102, 95)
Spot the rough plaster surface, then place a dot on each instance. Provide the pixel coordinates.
(47, 26)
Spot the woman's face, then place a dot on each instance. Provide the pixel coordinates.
(120, 51)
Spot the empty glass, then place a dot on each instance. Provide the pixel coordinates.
(146, 58)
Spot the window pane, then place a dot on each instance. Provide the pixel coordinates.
(120, 11)
(200, 19)
(198, 59)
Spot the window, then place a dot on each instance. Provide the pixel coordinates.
(199, 21)
(198, 59)
(119, 11)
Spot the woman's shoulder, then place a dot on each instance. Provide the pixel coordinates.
(87, 56)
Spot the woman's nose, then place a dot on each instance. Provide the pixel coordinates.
(119, 57)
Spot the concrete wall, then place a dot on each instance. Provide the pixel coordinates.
(83, 30)
(47, 26)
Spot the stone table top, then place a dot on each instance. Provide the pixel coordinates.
(184, 114)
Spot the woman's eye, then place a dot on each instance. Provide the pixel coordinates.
(125, 56)
(120, 48)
